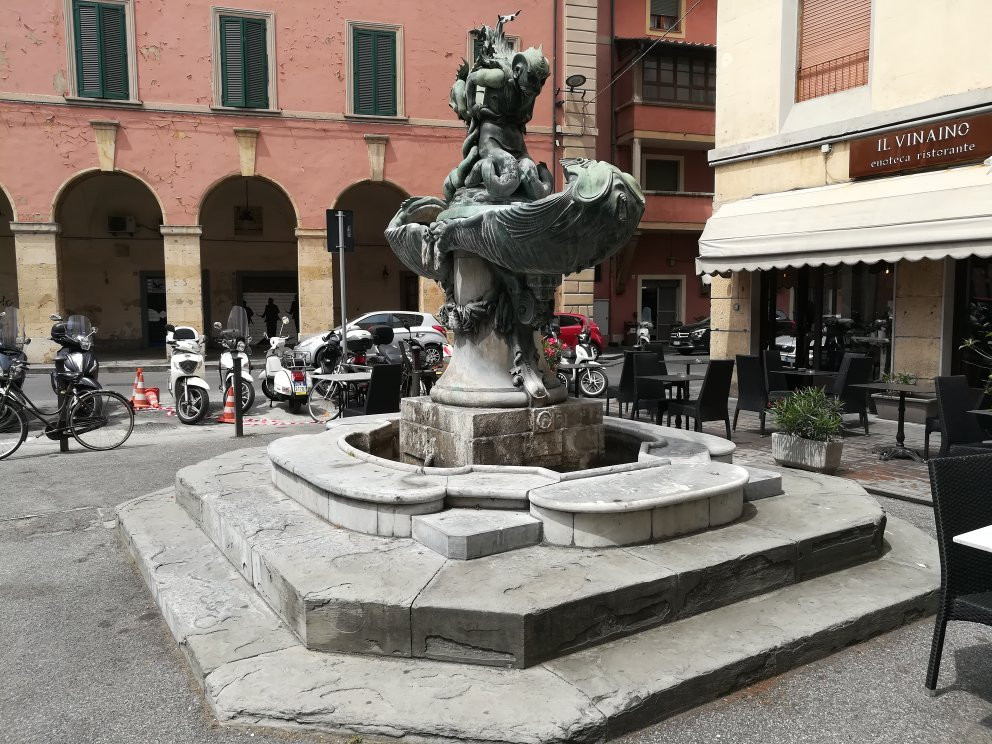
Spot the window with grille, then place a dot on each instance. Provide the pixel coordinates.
(676, 78)
(244, 62)
(661, 175)
(664, 15)
(100, 31)
(514, 42)
(833, 46)
(374, 72)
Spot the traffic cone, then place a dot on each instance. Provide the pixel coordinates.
(138, 398)
(228, 417)
(152, 395)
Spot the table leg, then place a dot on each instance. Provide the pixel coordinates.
(900, 449)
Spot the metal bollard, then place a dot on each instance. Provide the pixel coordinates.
(239, 428)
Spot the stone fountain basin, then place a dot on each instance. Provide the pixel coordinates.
(675, 482)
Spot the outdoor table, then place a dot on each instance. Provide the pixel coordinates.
(980, 538)
(888, 452)
(807, 377)
(680, 381)
(346, 378)
(689, 362)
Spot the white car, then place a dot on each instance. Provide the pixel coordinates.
(423, 326)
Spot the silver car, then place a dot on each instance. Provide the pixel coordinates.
(423, 326)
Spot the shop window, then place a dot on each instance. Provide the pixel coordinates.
(972, 320)
(683, 79)
(374, 78)
(834, 39)
(662, 174)
(244, 73)
(664, 15)
(100, 39)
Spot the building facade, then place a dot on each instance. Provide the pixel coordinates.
(852, 201)
(163, 162)
(657, 123)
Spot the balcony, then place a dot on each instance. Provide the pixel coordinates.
(676, 210)
(670, 123)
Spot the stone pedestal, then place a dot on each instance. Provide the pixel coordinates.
(566, 436)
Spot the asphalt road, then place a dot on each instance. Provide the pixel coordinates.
(86, 657)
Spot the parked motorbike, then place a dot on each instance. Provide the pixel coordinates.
(644, 328)
(584, 373)
(13, 360)
(235, 339)
(189, 390)
(417, 380)
(368, 349)
(285, 377)
(75, 361)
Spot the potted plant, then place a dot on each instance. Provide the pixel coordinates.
(918, 409)
(807, 422)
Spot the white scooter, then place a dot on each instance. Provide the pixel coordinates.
(587, 373)
(285, 377)
(644, 329)
(235, 340)
(190, 391)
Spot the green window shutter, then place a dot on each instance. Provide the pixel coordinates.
(244, 62)
(113, 35)
(385, 73)
(101, 50)
(374, 72)
(665, 8)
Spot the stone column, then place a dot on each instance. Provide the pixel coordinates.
(39, 291)
(730, 316)
(183, 293)
(918, 318)
(431, 296)
(315, 272)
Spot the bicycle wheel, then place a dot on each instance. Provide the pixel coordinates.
(101, 420)
(326, 401)
(13, 430)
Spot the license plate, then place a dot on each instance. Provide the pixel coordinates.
(300, 388)
(676, 343)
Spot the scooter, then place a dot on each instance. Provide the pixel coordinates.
(74, 361)
(285, 377)
(189, 390)
(235, 340)
(587, 373)
(644, 328)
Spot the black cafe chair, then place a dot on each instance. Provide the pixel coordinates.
(855, 369)
(625, 392)
(383, 395)
(654, 393)
(751, 392)
(958, 428)
(775, 381)
(714, 397)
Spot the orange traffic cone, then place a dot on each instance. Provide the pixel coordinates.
(228, 417)
(152, 395)
(138, 397)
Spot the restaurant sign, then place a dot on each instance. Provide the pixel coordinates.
(926, 146)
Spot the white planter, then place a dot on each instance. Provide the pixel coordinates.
(917, 409)
(805, 454)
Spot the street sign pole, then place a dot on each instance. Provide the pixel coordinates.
(344, 306)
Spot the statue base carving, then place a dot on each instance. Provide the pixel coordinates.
(565, 436)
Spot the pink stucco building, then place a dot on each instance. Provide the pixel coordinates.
(167, 160)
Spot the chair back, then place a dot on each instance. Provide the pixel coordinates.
(384, 389)
(648, 363)
(840, 381)
(859, 371)
(751, 393)
(628, 375)
(774, 379)
(715, 391)
(954, 400)
(961, 503)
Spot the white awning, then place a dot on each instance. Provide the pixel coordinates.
(935, 215)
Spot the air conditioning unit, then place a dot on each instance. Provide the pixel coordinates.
(121, 224)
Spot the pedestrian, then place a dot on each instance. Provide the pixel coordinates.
(271, 316)
(248, 311)
(294, 311)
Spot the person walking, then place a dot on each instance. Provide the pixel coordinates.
(248, 311)
(294, 312)
(271, 316)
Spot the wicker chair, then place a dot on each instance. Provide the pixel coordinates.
(712, 403)
(384, 389)
(854, 370)
(653, 392)
(958, 428)
(959, 486)
(751, 392)
(625, 392)
(775, 382)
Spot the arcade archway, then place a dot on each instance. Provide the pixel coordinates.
(8, 258)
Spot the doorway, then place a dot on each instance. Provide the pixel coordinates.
(661, 303)
(153, 308)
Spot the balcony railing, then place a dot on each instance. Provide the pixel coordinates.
(849, 71)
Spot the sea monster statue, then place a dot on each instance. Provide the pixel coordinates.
(499, 241)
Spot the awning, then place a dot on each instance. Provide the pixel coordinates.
(934, 215)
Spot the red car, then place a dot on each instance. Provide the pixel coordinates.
(570, 324)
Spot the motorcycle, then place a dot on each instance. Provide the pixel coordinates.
(587, 374)
(12, 341)
(285, 377)
(74, 361)
(235, 340)
(417, 380)
(189, 390)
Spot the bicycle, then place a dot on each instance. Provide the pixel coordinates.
(99, 420)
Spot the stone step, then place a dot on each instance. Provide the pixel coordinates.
(253, 673)
(466, 534)
(351, 592)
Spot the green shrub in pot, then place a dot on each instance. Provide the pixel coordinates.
(808, 421)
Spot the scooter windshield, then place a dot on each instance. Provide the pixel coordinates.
(237, 322)
(78, 327)
(11, 334)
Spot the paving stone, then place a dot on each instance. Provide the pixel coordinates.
(464, 534)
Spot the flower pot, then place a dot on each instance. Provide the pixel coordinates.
(918, 410)
(805, 454)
